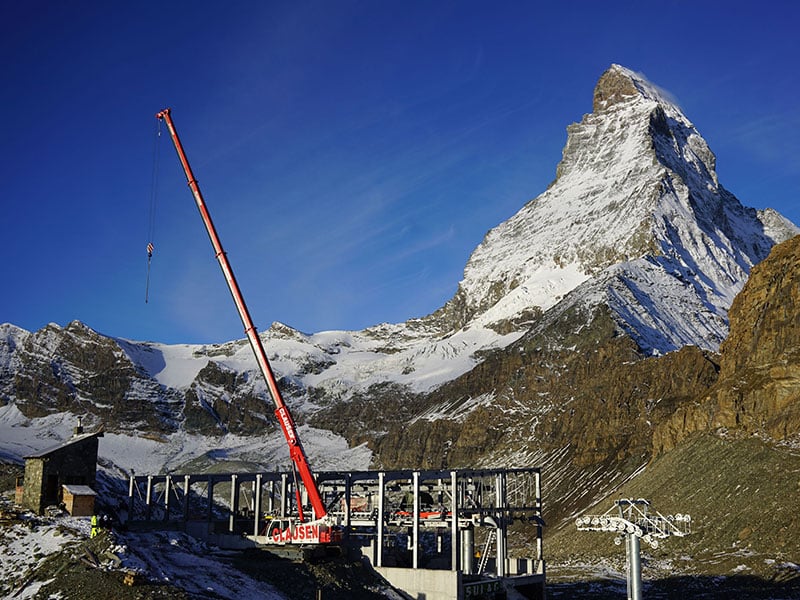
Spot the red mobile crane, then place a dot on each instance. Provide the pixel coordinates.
(322, 530)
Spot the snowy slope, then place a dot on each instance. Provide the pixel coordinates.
(121, 452)
(346, 360)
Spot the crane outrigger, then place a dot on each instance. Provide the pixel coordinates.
(322, 529)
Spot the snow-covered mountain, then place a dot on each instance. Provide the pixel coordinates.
(634, 221)
(635, 215)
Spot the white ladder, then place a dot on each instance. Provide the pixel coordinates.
(486, 547)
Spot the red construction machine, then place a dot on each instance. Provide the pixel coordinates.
(322, 529)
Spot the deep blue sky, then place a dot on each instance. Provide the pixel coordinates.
(352, 154)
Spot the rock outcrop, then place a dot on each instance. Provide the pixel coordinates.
(758, 391)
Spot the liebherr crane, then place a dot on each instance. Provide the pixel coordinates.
(322, 530)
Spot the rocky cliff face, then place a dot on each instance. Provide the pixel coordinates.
(759, 387)
(75, 369)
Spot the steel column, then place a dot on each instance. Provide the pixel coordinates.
(284, 494)
(381, 485)
(167, 486)
(500, 503)
(131, 485)
(186, 488)
(234, 503)
(149, 505)
(415, 521)
(257, 504)
(455, 540)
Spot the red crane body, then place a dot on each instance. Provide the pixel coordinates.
(282, 413)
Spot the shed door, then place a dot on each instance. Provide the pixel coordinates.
(51, 489)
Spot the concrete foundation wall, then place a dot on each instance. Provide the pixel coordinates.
(423, 584)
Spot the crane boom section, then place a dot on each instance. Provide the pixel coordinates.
(285, 419)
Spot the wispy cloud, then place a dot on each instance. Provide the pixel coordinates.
(766, 138)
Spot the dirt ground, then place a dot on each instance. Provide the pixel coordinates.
(85, 569)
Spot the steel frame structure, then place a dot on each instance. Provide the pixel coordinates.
(375, 509)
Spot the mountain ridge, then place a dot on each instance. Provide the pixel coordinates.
(649, 182)
(634, 221)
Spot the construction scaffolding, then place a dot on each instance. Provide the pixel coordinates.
(452, 521)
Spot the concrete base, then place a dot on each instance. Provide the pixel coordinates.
(430, 584)
(424, 583)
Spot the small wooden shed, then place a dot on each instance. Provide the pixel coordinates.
(78, 500)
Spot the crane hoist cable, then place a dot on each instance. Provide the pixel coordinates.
(151, 221)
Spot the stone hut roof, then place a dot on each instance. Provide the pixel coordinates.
(65, 444)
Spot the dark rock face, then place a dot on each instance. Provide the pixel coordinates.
(765, 317)
(80, 371)
(759, 387)
(588, 388)
(77, 370)
(219, 400)
(379, 409)
(613, 86)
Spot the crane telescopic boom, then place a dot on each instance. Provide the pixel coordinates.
(288, 426)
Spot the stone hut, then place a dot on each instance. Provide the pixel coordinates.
(72, 462)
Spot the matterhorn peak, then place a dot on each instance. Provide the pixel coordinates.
(619, 84)
(635, 211)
